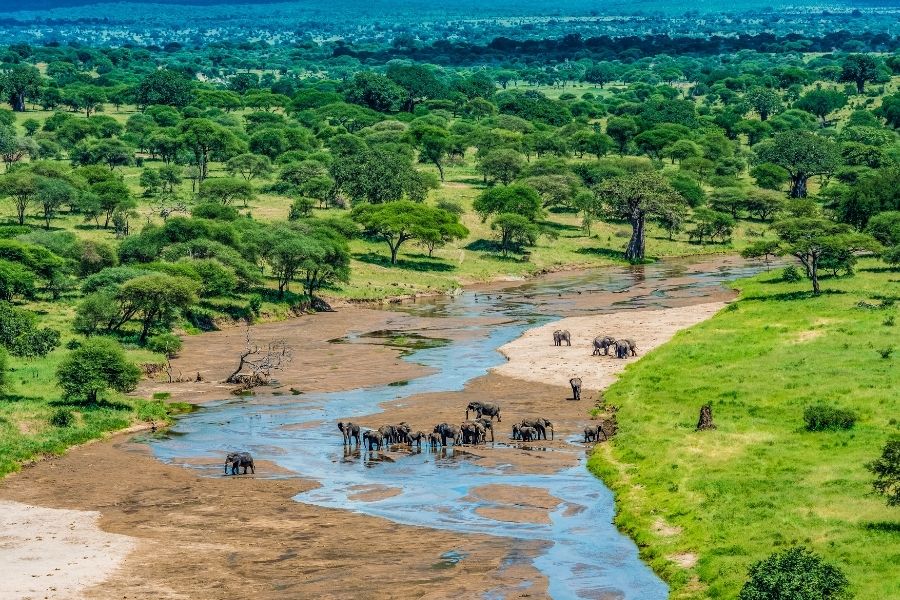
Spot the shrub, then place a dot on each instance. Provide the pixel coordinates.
(165, 343)
(62, 417)
(821, 417)
(791, 274)
(887, 472)
(798, 574)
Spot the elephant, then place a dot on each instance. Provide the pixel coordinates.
(488, 424)
(350, 431)
(575, 382)
(484, 408)
(401, 433)
(416, 437)
(560, 336)
(592, 433)
(238, 460)
(434, 439)
(603, 343)
(629, 348)
(473, 432)
(526, 434)
(447, 431)
(373, 440)
(540, 425)
(388, 433)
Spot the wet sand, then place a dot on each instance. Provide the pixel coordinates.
(215, 537)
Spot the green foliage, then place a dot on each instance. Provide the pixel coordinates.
(886, 469)
(514, 231)
(797, 573)
(62, 417)
(98, 365)
(401, 221)
(824, 417)
(791, 274)
(164, 343)
(513, 199)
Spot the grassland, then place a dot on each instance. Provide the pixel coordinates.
(703, 506)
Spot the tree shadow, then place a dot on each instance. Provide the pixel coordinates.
(883, 526)
(88, 405)
(562, 210)
(483, 245)
(560, 226)
(604, 252)
(790, 296)
(423, 264)
(18, 398)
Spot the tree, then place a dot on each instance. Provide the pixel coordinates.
(859, 69)
(19, 82)
(203, 138)
(434, 147)
(52, 194)
(821, 103)
(418, 81)
(763, 204)
(153, 299)
(812, 239)
(13, 148)
(636, 198)
(376, 92)
(621, 130)
(249, 166)
(886, 469)
(400, 221)
(797, 574)
(501, 165)
(711, 224)
(96, 366)
(225, 190)
(163, 86)
(514, 231)
(763, 101)
(769, 176)
(516, 199)
(600, 73)
(802, 154)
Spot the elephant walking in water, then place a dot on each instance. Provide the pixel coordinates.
(373, 440)
(349, 431)
(446, 432)
(237, 460)
(560, 336)
(539, 424)
(575, 382)
(473, 432)
(416, 437)
(603, 343)
(484, 408)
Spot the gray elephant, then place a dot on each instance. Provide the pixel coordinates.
(446, 432)
(434, 439)
(560, 336)
(388, 433)
(592, 433)
(488, 425)
(603, 343)
(349, 431)
(575, 382)
(484, 408)
(625, 347)
(525, 434)
(373, 440)
(472, 432)
(416, 437)
(238, 460)
(540, 425)
(401, 433)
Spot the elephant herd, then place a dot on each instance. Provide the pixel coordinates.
(469, 432)
(621, 348)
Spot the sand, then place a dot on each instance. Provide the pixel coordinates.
(533, 357)
(55, 553)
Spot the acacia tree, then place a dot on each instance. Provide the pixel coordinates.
(153, 299)
(813, 239)
(20, 82)
(763, 101)
(859, 69)
(636, 198)
(886, 469)
(400, 221)
(802, 154)
(821, 103)
(21, 186)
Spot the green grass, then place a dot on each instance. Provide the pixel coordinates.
(760, 482)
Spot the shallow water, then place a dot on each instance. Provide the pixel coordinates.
(585, 556)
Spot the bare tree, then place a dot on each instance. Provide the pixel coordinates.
(256, 364)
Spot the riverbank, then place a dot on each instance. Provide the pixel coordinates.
(704, 506)
(186, 525)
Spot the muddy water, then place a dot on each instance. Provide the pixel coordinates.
(584, 555)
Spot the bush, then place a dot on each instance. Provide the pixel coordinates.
(798, 574)
(62, 417)
(886, 469)
(821, 417)
(791, 274)
(214, 211)
(165, 343)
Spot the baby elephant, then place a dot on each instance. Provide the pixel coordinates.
(237, 460)
(575, 382)
(592, 433)
(625, 347)
(349, 431)
(527, 434)
(416, 437)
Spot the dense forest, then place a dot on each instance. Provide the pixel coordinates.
(176, 186)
